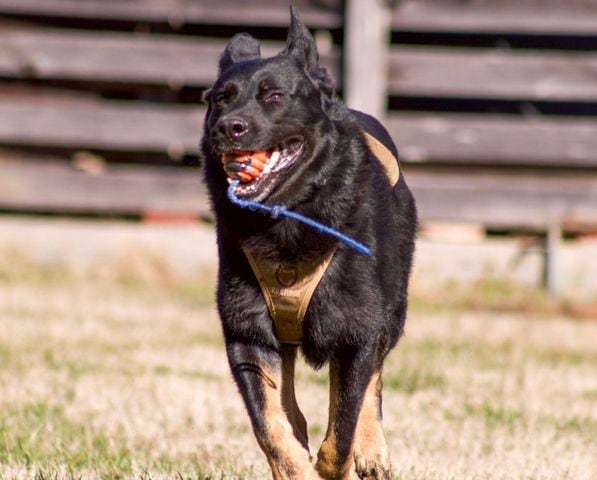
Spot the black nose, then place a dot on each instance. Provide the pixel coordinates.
(233, 128)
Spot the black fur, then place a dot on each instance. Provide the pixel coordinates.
(358, 311)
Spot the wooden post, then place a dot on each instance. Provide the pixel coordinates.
(550, 260)
(366, 52)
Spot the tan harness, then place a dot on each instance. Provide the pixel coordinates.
(288, 288)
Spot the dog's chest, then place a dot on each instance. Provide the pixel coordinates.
(288, 288)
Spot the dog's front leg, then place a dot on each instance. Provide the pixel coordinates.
(350, 373)
(371, 454)
(259, 375)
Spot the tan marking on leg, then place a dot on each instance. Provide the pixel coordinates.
(327, 457)
(287, 457)
(371, 454)
(289, 403)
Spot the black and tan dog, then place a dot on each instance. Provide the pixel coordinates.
(276, 126)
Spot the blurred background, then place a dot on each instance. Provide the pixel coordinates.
(493, 105)
(107, 245)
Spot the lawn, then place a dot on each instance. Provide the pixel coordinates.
(120, 372)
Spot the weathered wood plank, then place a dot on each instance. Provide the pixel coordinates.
(493, 199)
(179, 61)
(82, 123)
(497, 16)
(57, 186)
(107, 57)
(87, 123)
(504, 199)
(493, 74)
(176, 13)
(170, 60)
(495, 140)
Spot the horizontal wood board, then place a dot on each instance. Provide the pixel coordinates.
(86, 123)
(58, 186)
(496, 199)
(504, 199)
(177, 61)
(490, 16)
(83, 123)
(498, 140)
(170, 60)
(177, 14)
(569, 17)
(501, 74)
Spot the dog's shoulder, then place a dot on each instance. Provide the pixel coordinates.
(373, 127)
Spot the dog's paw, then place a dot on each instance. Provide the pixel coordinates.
(373, 465)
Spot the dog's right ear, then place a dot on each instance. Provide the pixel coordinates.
(241, 48)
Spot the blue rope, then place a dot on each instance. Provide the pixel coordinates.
(280, 210)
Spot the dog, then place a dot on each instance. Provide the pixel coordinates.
(275, 127)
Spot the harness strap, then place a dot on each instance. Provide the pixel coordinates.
(287, 289)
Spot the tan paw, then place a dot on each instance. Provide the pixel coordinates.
(373, 465)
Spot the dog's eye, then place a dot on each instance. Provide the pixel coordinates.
(274, 97)
(222, 98)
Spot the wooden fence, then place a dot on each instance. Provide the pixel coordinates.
(493, 104)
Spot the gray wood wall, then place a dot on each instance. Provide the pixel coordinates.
(493, 104)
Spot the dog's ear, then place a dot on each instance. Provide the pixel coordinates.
(241, 48)
(301, 45)
(300, 42)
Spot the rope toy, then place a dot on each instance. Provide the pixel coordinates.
(280, 210)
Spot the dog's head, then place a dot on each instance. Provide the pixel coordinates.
(264, 114)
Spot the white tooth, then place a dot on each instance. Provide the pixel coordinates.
(272, 161)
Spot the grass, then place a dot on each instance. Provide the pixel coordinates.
(46, 434)
(120, 372)
(499, 295)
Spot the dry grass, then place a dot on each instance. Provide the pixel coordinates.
(120, 372)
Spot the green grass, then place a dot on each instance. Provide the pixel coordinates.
(41, 434)
(410, 380)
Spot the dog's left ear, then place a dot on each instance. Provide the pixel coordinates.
(241, 48)
(300, 43)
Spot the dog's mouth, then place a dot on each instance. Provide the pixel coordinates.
(256, 170)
